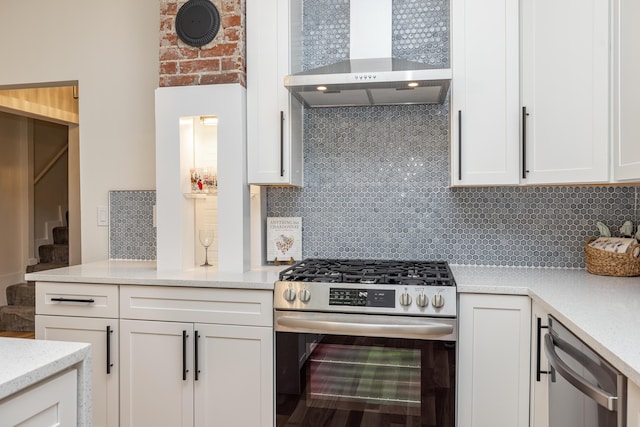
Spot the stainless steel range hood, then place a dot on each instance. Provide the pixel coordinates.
(371, 76)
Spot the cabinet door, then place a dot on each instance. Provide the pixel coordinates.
(494, 351)
(52, 403)
(235, 376)
(156, 374)
(565, 90)
(485, 92)
(274, 117)
(104, 351)
(539, 368)
(626, 126)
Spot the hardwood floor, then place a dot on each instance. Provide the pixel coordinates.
(11, 334)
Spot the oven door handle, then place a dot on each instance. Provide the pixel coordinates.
(372, 326)
(601, 397)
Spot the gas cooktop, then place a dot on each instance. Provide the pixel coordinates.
(417, 288)
(388, 272)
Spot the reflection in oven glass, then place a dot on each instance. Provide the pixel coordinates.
(356, 381)
(349, 376)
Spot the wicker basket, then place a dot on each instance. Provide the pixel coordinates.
(605, 263)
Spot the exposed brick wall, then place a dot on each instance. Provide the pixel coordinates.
(220, 61)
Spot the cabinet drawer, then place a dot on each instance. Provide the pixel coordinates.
(205, 305)
(76, 299)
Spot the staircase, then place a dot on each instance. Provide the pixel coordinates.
(19, 314)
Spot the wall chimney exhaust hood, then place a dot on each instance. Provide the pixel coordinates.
(371, 76)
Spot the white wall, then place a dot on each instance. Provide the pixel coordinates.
(111, 49)
(13, 200)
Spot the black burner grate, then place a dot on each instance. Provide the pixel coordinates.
(403, 273)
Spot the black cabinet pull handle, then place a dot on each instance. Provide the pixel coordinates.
(184, 355)
(61, 299)
(196, 368)
(281, 143)
(109, 364)
(524, 142)
(539, 350)
(460, 145)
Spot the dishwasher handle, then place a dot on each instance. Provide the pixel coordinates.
(601, 397)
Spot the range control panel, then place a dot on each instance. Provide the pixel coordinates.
(439, 301)
(362, 297)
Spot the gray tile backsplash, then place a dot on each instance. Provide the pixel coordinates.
(377, 178)
(131, 232)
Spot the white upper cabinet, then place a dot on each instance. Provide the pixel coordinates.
(626, 109)
(565, 91)
(531, 93)
(485, 92)
(274, 118)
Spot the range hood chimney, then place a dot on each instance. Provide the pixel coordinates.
(371, 76)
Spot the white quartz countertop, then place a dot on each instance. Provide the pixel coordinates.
(145, 273)
(603, 311)
(24, 362)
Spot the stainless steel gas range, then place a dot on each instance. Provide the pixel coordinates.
(365, 343)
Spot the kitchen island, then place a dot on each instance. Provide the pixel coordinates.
(44, 380)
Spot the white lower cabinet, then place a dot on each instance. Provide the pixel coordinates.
(494, 354)
(196, 357)
(75, 312)
(145, 354)
(539, 368)
(104, 371)
(51, 403)
(164, 383)
(153, 391)
(633, 405)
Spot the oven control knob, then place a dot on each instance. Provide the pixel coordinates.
(289, 294)
(422, 300)
(405, 299)
(304, 295)
(437, 301)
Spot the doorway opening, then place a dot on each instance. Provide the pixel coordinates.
(39, 185)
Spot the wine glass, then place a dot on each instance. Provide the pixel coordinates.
(206, 239)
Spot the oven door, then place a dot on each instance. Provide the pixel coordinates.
(357, 370)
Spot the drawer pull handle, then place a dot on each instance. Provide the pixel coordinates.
(85, 300)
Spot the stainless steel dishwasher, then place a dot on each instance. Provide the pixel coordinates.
(584, 389)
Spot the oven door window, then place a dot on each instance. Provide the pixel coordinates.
(329, 380)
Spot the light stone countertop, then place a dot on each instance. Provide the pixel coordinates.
(603, 311)
(145, 273)
(25, 362)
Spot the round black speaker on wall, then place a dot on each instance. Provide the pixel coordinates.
(197, 22)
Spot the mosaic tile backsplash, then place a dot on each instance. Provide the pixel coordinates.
(377, 179)
(131, 232)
